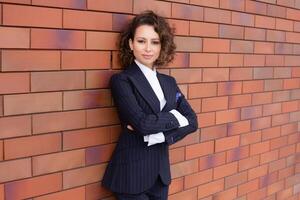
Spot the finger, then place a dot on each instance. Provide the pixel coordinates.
(129, 127)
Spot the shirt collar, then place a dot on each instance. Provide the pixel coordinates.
(146, 70)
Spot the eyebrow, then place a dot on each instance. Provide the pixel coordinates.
(146, 38)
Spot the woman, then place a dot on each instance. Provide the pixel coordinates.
(153, 112)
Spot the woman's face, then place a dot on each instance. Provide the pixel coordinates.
(145, 45)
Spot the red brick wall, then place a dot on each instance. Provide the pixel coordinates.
(238, 64)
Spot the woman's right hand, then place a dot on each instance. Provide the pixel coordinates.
(130, 127)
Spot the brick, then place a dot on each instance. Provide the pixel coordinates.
(251, 112)
(231, 60)
(242, 19)
(229, 88)
(263, 47)
(15, 169)
(164, 8)
(177, 155)
(187, 75)
(282, 48)
(255, 34)
(213, 104)
(253, 86)
(287, 3)
(184, 168)
(284, 194)
(120, 21)
(86, 138)
(259, 148)
(281, 96)
(276, 11)
(212, 160)
(93, 119)
(87, 20)
(235, 179)
(295, 71)
(83, 176)
(264, 22)
(283, 24)
(28, 60)
(75, 194)
(33, 145)
(2, 192)
(228, 31)
(227, 194)
(216, 45)
(209, 3)
(14, 83)
(203, 60)
(9, 129)
(176, 185)
(86, 99)
(61, 3)
(271, 109)
(86, 60)
(292, 37)
(270, 133)
(296, 26)
(263, 73)
(1, 151)
(277, 36)
(213, 75)
(233, 5)
(189, 44)
(289, 106)
(268, 179)
(261, 98)
(237, 101)
(287, 151)
(14, 37)
(239, 127)
(269, 156)
(99, 154)
(180, 60)
(295, 94)
(275, 187)
(204, 29)
(237, 154)
(240, 46)
(291, 83)
(292, 180)
(101, 40)
(254, 60)
(181, 26)
(291, 61)
(56, 162)
(57, 121)
(202, 90)
(278, 142)
(241, 73)
(98, 78)
(112, 6)
(17, 1)
(225, 170)
(292, 14)
(187, 12)
(256, 7)
(35, 186)
(53, 81)
(247, 187)
(217, 15)
(93, 191)
(271, 85)
(250, 138)
(32, 16)
(257, 172)
(258, 194)
(198, 178)
(227, 143)
(198, 150)
(260, 123)
(189, 194)
(248, 163)
(227, 116)
(57, 39)
(210, 188)
(195, 104)
(214, 132)
(284, 173)
(188, 140)
(32, 103)
(206, 119)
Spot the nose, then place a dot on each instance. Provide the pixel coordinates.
(148, 47)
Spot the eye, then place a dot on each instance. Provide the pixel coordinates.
(141, 41)
(156, 42)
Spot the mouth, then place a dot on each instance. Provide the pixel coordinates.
(147, 56)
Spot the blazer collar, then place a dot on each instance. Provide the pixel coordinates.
(143, 86)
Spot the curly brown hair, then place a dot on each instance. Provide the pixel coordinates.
(161, 27)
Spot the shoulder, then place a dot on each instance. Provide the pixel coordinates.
(168, 77)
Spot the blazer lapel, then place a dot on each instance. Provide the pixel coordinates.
(143, 86)
(169, 91)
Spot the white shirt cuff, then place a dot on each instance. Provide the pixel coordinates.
(156, 138)
(181, 119)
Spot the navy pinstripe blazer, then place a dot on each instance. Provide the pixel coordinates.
(134, 167)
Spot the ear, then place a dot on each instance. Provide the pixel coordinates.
(130, 44)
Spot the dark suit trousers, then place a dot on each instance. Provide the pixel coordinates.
(158, 191)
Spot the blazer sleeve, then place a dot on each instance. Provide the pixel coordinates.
(134, 115)
(185, 109)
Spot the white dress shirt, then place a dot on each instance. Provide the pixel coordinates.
(153, 80)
